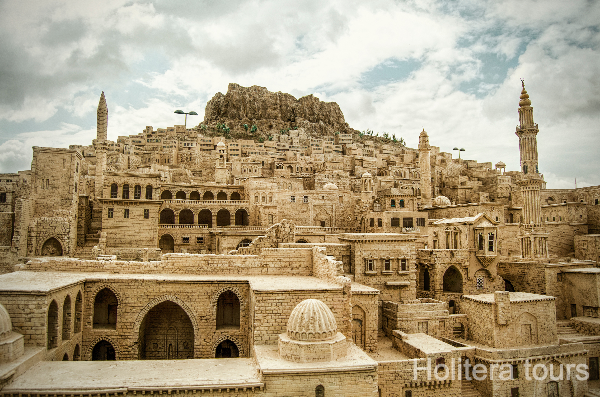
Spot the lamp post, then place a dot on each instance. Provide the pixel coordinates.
(192, 113)
(459, 150)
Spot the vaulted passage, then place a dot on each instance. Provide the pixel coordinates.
(105, 309)
(205, 218)
(452, 280)
(241, 217)
(235, 196)
(167, 217)
(166, 333)
(208, 196)
(227, 349)
(221, 196)
(166, 244)
(103, 351)
(186, 217)
(223, 218)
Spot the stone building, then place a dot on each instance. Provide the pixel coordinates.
(275, 251)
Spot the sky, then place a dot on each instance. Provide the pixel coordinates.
(452, 68)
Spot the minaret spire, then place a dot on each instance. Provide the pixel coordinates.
(527, 133)
(102, 119)
(425, 168)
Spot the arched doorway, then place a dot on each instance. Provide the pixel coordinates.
(66, 326)
(221, 196)
(166, 195)
(235, 196)
(205, 218)
(223, 218)
(167, 217)
(424, 279)
(166, 333)
(166, 244)
(241, 217)
(77, 353)
(452, 281)
(244, 243)
(228, 311)
(52, 247)
(103, 351)
(227, 349)
(186, 217)
(78, 310)
(66, 357)
(52, 331)
(208, 196)
(358, 323)
(105, 309)
(180, 195)
(508, 286)
(194, 195)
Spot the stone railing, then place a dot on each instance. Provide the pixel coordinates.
(319, 229)
(205, 202)
(194, 226)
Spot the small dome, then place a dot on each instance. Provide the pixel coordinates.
(500, 164)
(310, 321)
(367, 175)
(220, 144)
(441, 201)
(5, 323)
(423, 133)
(330, 186)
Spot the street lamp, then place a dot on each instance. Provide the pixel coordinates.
(459, 150)
(192, 113)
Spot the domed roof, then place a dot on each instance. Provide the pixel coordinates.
(220, 144)
(330, 186)
(441, 201)
(311, 321)
(423, 133)
(5, 323)
(500, 164)
(367, 174)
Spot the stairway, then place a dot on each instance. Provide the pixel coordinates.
(468, 390)
(564, 329)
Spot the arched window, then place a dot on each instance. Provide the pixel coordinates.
(166, 244)
(320, 391)
(180, 195)
(194, 195)
(66, 357)
(167, 217)
(227, 349)
(66, 323)
(114, 190)
(166, 333)
(125, 191)
(221, 196)
(401, 203)
(208, 196)
(148, 192)
(452, 281)
(137, 192)
(52, 330)
(228, 311)
(77, 353)
(103, 351)
(78, 312)
(205, 218)
(241, 217)
(166, 195)
(235, 196)
(223, 218)
(186, 217)
(52, 247)
(105, 309)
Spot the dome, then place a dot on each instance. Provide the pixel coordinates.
(5, 323)
(367, 175)
(500, 164)
(311, 320)
(330, 186)
(423, 133)
(441, 201)
(220, 144)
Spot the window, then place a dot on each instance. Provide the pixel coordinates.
(199, 240)
(306, 199)
(293, 199)
(407, 222)
(393, 204)
(379, 222)
(114, 190)
(491, 242)
(479, 282)
(403, 265)
(387, 265)
(401, 203)
(146, 214)
(125, 191)
(408, 393)
(110, 212)
(126, 213)
(370, 265)
(395, 222)
(137, 192)
(514, 392)
(596, 202)
(148, 192)
(420, 221)
(480, 242)
(2, 197)
(514, 374)
(372, 222)
(185, 240)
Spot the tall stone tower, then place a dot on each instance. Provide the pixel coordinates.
(425, 168)
(102, 120)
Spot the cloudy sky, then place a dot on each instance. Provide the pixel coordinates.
(451, 67)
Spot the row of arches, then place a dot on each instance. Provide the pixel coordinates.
(125, 191)
(205, 217)
(76, 355)
(63, 329)
(195, 195)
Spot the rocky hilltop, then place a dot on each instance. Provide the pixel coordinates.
(272, 112)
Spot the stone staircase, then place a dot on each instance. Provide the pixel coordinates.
(564, 329)
(468, 390)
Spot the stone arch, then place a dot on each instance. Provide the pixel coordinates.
(186, 217)
(77, 353)
(222, 196)
(65, 357)
(215, 297)
(452, 280)
(195, 195)
(508, 286)
(78, 312)
(95, 341)
(106, 309)
(223, 217)
(228, 311)
(424, 279)
(205, 218)
(67, 318)
(241, 217)
(244, 243)
(51, 247)
(208, 196)
(161, 299)
(52, 326)
(180, 195)
(235, 196)
(166, 243)
(232, 339)
(166, 195)
(167, 217)
(320, 391)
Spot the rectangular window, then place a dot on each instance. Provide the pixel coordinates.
(146, 214)
(199, 240)
(387, 265)
(480, 242)
(420, 221)
(379, 222)
(395, 222)
(514, 371)
(514, 392)
(137, 192)
(491, 242)
(479, 282)
(403, 265)
(110, 212)
(407, 222)
(126, 213)
(370, 265)
(293, 199)
(306, 199)
(185, 240)
(372, 222)
(2, 197)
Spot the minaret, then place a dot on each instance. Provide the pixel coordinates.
(527, 133)
(425, 168)
(102, 120)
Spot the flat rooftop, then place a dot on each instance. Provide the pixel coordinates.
(514, 297)
(163, 374)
